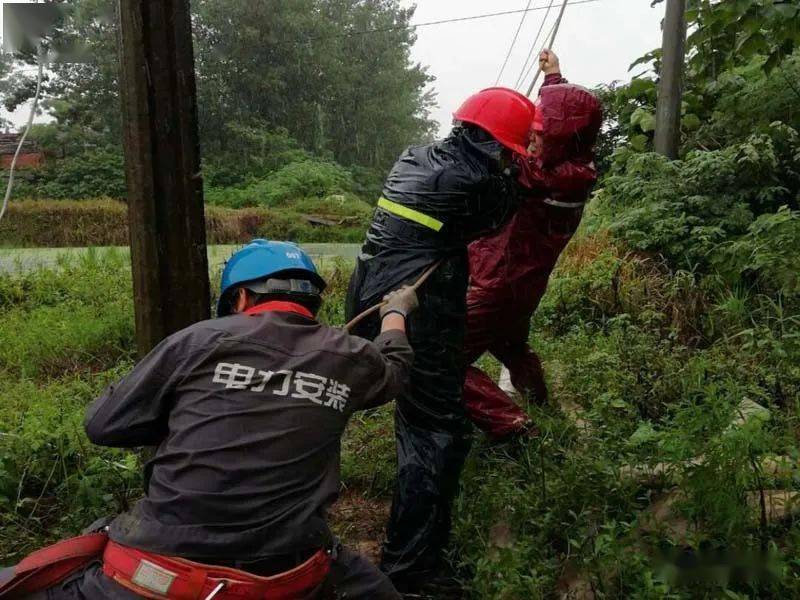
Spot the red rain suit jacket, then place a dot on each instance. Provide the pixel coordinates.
(509, 270)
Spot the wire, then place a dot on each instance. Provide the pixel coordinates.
(10, 186)
(537, 54)
(427, 24)
(514, 41)
(522, 74)
(550, 45)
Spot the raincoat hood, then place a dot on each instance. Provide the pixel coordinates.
(571, 119)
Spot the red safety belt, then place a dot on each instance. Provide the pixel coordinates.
(159, 577)
(49, 566)
(156, 576)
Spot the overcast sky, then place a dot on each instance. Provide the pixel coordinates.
(596, 43)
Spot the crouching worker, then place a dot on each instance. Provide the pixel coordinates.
(247, 412)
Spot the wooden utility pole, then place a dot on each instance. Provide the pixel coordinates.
(670, 87)
(162, 167)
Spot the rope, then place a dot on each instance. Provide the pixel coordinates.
(514, 41)
(372, 310)
(552, 42)
(522, 73)
(10, 186)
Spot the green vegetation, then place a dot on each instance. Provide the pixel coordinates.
(668, 464)
(640, 458)
(283, 93)
(648, 365)
(67, 332)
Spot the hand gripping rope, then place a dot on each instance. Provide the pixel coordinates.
(373, 309)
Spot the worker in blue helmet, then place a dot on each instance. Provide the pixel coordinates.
(247, 412)
(275, 269)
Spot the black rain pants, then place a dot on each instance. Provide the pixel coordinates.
(432, 432)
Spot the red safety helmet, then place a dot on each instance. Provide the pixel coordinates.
(505, 113)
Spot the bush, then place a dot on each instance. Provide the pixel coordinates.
(767, 252)
(647, 366)
(254, 151)
(91, 174)
(691, 211)
(297, 180)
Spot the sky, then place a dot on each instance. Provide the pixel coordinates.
(596, 44)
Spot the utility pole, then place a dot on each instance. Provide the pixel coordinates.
(668, 110)
(162, 168)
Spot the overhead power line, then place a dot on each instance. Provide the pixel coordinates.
(534, 66)
(429, 23)
(513, 42)
(550, 44)
(522, 73)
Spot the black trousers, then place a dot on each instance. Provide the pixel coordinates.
(352, 577)
(431, 428)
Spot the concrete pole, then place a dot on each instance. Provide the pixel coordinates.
(670, 87)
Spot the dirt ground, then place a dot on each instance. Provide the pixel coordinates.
(360, 521)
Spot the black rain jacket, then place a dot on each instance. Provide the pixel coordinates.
(459, 181)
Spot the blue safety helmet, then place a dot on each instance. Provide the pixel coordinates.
(282, 269)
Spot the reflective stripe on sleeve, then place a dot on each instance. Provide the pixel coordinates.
(552, 202)
(410, 214)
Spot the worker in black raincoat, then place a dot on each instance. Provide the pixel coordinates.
(437, 199)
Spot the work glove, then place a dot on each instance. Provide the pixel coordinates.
(402, 302)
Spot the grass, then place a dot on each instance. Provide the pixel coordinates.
(66, 332)
(26, 259)
(658, 378)
(648, 370)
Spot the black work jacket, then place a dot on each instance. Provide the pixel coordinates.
(456, 181)
(247, 412)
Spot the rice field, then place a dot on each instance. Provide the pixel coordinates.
(24, 259)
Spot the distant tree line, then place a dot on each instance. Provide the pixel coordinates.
(278, 77)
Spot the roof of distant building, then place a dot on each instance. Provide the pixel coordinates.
(9, 142)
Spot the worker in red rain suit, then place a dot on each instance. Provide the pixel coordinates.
(509, 270)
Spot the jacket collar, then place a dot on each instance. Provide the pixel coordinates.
(279, 306)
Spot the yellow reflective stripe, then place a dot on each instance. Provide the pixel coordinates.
(410, 214)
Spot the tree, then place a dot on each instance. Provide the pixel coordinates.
(301, 66)
(735, 47)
